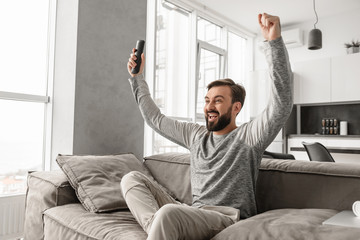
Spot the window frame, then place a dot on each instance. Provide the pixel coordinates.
(222, 66)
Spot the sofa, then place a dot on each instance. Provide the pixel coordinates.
(293, 198)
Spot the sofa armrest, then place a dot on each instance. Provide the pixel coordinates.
(45, 190)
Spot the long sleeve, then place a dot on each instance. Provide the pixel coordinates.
(264, 128)
(182, 133)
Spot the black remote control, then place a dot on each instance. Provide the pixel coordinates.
(139, 50)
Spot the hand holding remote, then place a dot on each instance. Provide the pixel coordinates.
(136, 60)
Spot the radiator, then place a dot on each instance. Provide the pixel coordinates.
(12, 212)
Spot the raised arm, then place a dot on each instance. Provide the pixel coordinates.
(264, 128)
(182, 133)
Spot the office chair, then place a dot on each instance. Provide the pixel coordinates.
(277, 155)
(318, 152)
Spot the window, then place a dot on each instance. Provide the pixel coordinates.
(237, 63)
(210, 61)
(23, 90)
(186, 61)
(209, 32)
(171, 73)
(210, 68)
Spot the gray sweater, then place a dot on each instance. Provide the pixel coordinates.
(224, 168)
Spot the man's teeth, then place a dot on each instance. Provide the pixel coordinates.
(212, 116)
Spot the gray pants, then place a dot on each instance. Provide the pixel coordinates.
(164, 218)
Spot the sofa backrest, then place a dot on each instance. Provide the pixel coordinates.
(305, 184)
(280, 184)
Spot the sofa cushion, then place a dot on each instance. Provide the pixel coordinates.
(289, 224)
(172, 170)
(96, 179)
(73, 222)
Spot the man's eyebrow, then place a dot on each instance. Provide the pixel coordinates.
(217, 96)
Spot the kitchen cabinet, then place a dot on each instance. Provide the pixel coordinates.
(327, 80)
(312, 81)
(345, 78)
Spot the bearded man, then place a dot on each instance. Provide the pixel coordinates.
(224, 157)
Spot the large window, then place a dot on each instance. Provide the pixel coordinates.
(24, 48)
(210, 61)
(190, 52)
(172, 69)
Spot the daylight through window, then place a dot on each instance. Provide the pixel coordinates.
(23, 90)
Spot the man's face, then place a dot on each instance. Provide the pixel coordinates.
(218, 108)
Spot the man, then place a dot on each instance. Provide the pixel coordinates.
(224, 158)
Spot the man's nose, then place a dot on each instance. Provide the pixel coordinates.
(210, 106)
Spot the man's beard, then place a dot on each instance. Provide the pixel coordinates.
(221, 123)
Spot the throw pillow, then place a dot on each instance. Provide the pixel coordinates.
(96, 179)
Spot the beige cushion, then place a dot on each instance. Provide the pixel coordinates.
(172, 170)
(96, 179)
(73, 222)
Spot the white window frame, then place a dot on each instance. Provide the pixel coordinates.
(196, 10)
(214, 49)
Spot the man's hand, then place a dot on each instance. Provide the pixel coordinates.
(270, 26)
(131, 64)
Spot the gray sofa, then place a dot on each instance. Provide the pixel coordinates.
(293, 198)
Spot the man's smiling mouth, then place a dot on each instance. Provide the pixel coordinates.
(212, 116)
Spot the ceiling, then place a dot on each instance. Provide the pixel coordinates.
(291, 12)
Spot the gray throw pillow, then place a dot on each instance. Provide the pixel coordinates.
(96, 179)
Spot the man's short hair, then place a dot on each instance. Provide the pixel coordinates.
(238, 91)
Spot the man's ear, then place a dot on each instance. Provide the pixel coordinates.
(237, 107)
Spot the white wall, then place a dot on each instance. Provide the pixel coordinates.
(336, 31)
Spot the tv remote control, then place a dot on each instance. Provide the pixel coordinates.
(139, 50)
